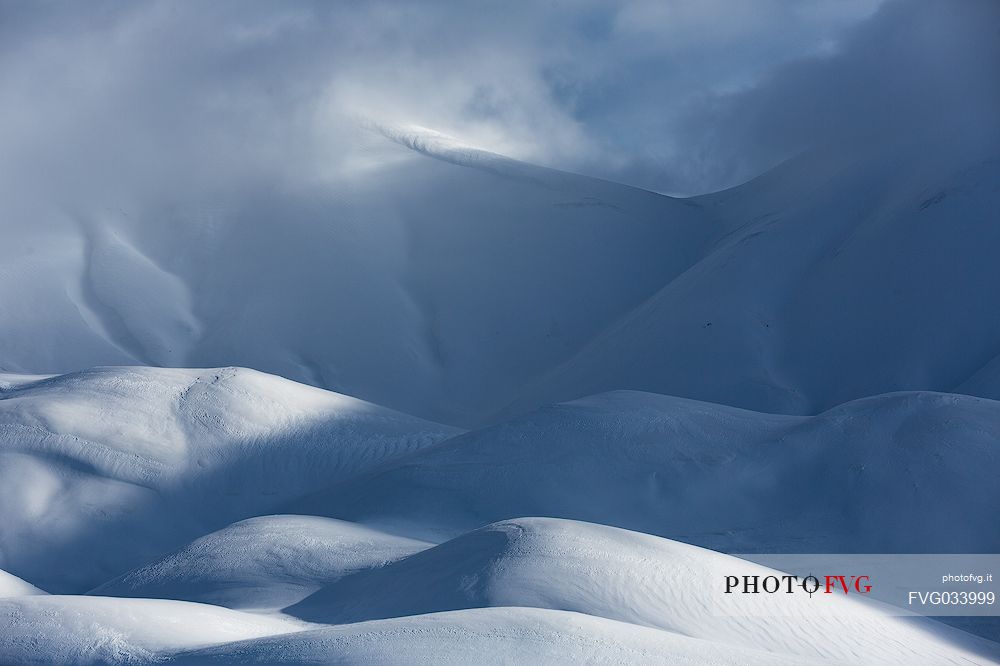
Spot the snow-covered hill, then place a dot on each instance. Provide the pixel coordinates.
(109, 468)
(545, 590)
(90, 630)
(263, 562)
(485, 636)
(882, 474)
(629, 577)
(163, 483)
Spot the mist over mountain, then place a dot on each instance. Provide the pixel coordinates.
(340, 332)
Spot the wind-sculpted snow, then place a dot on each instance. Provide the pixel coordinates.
(265, 562)
(883, 474)
(112, 467)
(143, 482)
(635, 578)
(486, 636)
(92, 630)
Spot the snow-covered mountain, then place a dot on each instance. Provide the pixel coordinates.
(462, 286)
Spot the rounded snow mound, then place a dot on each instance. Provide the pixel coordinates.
(264, 562)
(881, 474)
(629, 577)
(487, 636)
(94, 630)
(112, 467)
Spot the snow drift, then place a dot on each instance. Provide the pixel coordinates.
(85, 630)
(882, 474)
(263, 562)
(629, 577)
(488, 636)
(158, 482)
(110, 468)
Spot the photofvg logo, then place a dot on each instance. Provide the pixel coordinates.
(776, 584)
(789, 584)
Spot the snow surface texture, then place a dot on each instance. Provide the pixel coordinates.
(264, 562)
(86, 630)
(110, 468)
(882, 474)
(362, 539)
(485, 636)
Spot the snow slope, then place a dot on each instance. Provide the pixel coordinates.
(163, 483)
(112, 467)
(845, 273)
(12, 586)
(90, 630)
(630, 577)
(485, 636)
(465, 287)
(882, 474)
(541, 590)
(264, 562)
(374, 282)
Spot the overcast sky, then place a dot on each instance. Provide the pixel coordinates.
(678, 96)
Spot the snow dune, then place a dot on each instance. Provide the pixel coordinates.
(112, 467)
(91, 630)
(541, 590)
(630, 577)
(163, 483)
(264, 562)
(485, 636)
(882, 474)
(545, 590)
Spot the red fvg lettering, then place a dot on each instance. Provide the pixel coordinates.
(858, 583)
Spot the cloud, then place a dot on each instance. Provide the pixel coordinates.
(918, 73)
(155, 100)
